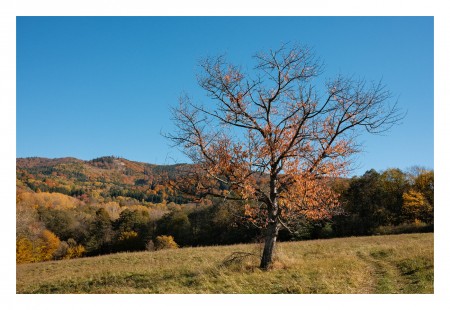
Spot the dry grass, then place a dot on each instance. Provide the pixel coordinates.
(381, 264)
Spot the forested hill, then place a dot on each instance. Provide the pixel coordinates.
(105, 176)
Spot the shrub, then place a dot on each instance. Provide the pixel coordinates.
(128, 235)
(48, 245)
(75, 252)
(165, 242)
(69, 249)
(405, 228)
(24, 251)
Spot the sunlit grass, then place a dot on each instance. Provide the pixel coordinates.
(381, 264)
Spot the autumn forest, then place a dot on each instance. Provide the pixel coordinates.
(69, 208)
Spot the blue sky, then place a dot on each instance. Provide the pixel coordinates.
(95, 86)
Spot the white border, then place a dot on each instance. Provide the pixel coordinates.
(226, 8)
(8, 11)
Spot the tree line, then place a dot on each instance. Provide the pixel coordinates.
(385, 202)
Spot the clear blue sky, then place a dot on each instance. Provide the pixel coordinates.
(95, 86)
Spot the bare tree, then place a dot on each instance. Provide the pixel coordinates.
(271, 141)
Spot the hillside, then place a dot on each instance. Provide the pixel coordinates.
(378, 264)
(103, 177)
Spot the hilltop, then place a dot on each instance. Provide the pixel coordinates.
(104, 176)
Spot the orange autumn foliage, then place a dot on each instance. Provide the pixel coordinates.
(270, 141)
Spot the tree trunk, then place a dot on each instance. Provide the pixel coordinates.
(269, 245)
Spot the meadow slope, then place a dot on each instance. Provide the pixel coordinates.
(377, 264)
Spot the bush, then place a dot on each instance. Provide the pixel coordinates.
(69, 249)
(24, 251)
(47, 245)
(75, 252)
(407, 228)
(165, 242)
(128, 236)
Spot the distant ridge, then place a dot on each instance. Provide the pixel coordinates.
(108, 176)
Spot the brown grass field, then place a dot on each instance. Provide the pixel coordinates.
(377, 264)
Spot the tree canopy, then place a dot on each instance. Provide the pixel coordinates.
(268, 138)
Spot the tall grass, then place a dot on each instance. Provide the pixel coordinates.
(378, 264)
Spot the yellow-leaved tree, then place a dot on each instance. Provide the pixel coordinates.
(165, 242)
(416, 206)
(47, 245)
(24, 250)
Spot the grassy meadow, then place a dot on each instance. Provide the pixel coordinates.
(376, 264)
